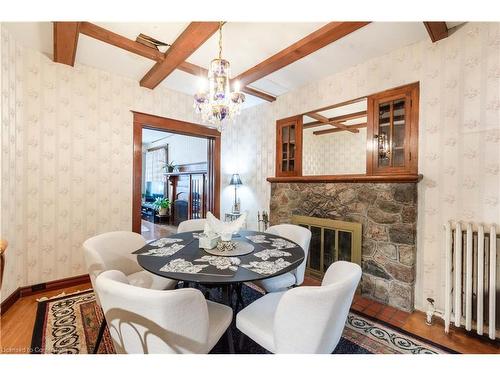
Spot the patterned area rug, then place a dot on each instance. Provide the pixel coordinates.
(69, 325)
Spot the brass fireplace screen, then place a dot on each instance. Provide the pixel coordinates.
(331, 240)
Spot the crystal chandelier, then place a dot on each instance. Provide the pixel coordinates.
(214, 100)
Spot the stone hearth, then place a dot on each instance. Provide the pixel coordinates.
(388, 214)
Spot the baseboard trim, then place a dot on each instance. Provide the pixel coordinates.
(10, 300)
(42, 287)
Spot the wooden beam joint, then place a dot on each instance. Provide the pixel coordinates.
(65, 42)
(189, 41)
(436, 30)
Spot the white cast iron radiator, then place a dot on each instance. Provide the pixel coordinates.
(471, 277)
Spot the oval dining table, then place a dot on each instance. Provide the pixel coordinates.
(179, 257)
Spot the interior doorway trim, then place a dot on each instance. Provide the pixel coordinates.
(148, 121)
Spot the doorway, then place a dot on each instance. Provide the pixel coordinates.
(175, 162)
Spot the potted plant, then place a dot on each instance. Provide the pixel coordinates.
(170, 167)
(162, 205)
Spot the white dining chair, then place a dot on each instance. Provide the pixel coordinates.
(304, 320)
(191, 225)
(299, 235)
(154, 321)
(113, 251)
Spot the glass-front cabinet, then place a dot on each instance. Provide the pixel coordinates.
(289, 146)
(391, 131)
(370, 136)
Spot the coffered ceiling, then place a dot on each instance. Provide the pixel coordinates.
(245, 45)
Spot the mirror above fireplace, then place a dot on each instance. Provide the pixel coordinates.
(371, 138)
(334, 140)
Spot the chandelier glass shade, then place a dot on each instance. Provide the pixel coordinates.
(214, 100)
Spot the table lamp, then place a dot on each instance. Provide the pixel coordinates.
(236, 181)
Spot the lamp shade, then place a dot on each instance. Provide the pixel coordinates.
(235, 180)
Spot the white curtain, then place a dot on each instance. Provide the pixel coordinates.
(155, 162)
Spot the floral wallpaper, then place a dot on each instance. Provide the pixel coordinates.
(335, 153)
(66, 148)
(66, 164)
(459, 143)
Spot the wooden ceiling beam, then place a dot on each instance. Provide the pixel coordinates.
(193, 69)
(307, 45)
(120, 41)
(436, 30)
(259, 94)
(96, 32)
(350, 116)
(336, 130)
(189, 41)
(65, 42)
(326, 121)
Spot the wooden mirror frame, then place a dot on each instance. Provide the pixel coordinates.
(407, 174)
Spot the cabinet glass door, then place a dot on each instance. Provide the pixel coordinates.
(391, 133)
(289, 147)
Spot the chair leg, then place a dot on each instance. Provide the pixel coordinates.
(242, 342)
(239, 296)
(230, 342)
(99, 336)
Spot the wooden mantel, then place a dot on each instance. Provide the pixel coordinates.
(350, 178)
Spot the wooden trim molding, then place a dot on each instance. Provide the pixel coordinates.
(65, 42)
(348, 178)
(144, 120)
(42, 287)
(177, 126)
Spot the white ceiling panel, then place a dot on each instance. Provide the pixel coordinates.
(93, 52)
(245, 44)
(368, 42)
(163, 31)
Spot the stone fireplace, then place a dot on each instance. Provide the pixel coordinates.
(388, 215)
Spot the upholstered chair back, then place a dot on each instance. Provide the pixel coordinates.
(299, 235)
(3, 249)
(311, 319)
(112, 251)
(153, 321)
(191, 225)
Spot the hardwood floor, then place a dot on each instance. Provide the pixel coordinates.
(16, 325)
(155, 231)
(458, 339)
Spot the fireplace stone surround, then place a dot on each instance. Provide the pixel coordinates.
(388, 214)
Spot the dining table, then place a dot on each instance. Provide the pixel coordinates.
(261, 255)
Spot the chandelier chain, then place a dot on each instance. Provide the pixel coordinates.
(221, 23)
